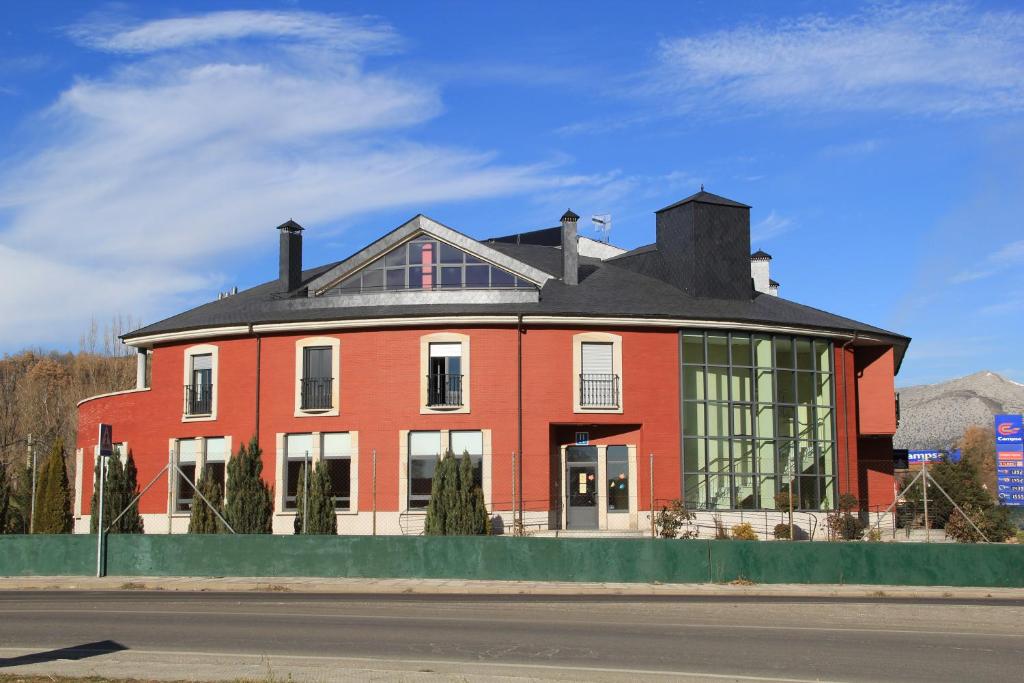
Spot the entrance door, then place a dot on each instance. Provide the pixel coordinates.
(581, 485)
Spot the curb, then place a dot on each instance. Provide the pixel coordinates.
(455, 587)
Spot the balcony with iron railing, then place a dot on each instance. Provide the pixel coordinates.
(198, 400)
(317, 393)
(444, 390)
(599, 391)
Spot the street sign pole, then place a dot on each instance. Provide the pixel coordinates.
(99, 526)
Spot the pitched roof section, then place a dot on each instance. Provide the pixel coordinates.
(760, 254)
(420, 224)
(704, 198)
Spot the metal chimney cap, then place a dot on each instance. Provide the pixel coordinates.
(290, 226)
(569, 216)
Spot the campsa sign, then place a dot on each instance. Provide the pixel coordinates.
(1010, 459)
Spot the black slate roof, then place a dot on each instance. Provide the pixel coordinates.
(618, 287)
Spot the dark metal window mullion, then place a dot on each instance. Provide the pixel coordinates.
(731, 434)
(705, 436)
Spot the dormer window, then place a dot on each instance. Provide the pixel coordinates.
(426, 263)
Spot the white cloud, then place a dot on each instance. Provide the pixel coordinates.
(1008, 255)
(152, 174)
(345, 33)
(939, 58)
(859, 148)
(770, 227)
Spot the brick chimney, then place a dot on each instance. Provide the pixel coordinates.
(290, 262)
(570, 249)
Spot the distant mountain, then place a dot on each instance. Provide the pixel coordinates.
(936, 415)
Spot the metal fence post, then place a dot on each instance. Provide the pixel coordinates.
(373, 486)
(32, 512)
(305, 493)
(651, 467)
(515, 526)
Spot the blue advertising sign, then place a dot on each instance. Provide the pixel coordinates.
(930, 457)
(1010, 459)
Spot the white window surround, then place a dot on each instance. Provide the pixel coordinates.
(335, 344)
(441, 338)
(281, 463)
(403, 465)
(200, 462)
(201, 350)
(577, 365)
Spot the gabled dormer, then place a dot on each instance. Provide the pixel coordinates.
(423, 261)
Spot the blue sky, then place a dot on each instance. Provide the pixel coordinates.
(149, 150)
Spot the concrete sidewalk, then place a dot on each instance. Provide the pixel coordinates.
(455, 587)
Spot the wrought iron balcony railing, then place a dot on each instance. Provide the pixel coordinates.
(317, 393)
(198, 399)
(599, 391)
(444, 390)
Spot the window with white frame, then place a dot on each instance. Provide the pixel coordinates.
(617, 461)
(317, 391)
(599, 384)
(444, 379)
(187, 456)
(336, 453)
(424, 452)
(199, 391)
(216, 461)
(298, 451)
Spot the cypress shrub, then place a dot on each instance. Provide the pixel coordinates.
(439, 507)
(322, 519)
(472, 510)
(300, 501)
(203, 519)
(456, 506)
(53, 497)
(249, 507)
(131, 523)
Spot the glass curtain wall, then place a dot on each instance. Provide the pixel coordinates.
(758, 418)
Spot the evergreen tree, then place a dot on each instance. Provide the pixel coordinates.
(321, 519)
(249, 508)
(456, 505)
(94, 500)
(203, 520)
(5, 496)
(961, 481)
(53, 497)
(300, 501)
(21, 501)
(439, 505)
(472, 512)
(131, 523)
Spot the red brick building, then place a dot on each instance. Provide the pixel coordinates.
(566, 368)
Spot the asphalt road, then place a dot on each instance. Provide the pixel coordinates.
(210, 636)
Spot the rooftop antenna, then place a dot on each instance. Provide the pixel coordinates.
(603, 226)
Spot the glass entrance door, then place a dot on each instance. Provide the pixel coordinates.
(581, 485)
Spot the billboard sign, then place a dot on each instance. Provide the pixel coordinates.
(930, 457)
(1010, 459)
(106, 440)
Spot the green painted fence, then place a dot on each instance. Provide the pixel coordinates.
(528, 559)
